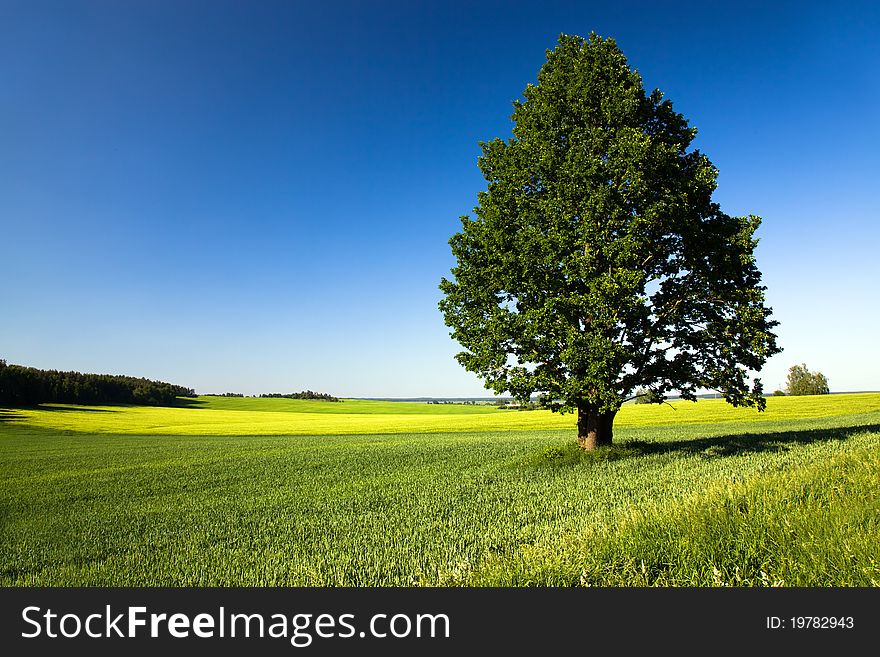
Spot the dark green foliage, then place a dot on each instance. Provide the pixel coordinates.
(778, 393)
(29, 386)
(803, 382)
(306, 394)
(597, 261)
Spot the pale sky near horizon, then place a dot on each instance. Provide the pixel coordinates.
(257, 197)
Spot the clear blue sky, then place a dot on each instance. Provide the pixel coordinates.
(257, 196)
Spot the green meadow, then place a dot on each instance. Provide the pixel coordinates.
(272, 492)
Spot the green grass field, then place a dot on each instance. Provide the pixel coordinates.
(249, 492)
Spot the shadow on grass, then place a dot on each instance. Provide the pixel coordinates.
(709, 447)
(187, 402)
(66, 409)
(8, 414)
(747, 443)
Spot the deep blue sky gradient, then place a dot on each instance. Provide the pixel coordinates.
(257, 197)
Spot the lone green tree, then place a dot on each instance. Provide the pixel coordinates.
(802, 381)
(597, 261)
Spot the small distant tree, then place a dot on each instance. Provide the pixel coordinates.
(779, 393)
(803, 382)
(646, 396)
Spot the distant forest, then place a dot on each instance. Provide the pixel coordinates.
(305, 394)
(29, 386)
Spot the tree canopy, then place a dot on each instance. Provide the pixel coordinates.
(597, 261)
(802, 381)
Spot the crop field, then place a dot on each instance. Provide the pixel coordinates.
(233, 416)
(271, 492)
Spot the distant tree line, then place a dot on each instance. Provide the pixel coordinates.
(528, 405)
(29, 386)
(305, 394)
(224, 394)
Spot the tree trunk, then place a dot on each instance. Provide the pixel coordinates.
(594, 428)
